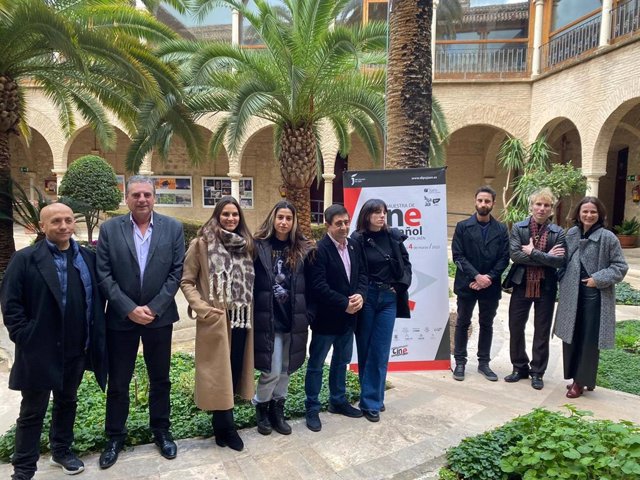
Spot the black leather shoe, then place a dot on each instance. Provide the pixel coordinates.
(489, 374)
(382, 408)
(168, 448)
(516, 376)
(458, 372)
(230, 438)
(536, 381)
(371, 415)
(346, 410)
(313, 421)
(109, 455)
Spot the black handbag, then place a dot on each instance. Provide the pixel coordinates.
(507, 282)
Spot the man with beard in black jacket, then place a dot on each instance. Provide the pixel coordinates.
(480, 249)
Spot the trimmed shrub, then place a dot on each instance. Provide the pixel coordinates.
(89, 187)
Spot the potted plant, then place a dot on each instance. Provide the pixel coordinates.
(628, 232)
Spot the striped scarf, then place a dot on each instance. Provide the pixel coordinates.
(535, 274)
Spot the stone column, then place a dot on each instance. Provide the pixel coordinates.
(605, 25)
(537, 38)
(32, 186)
(145, 167)
(235, 27)
(328, 189)
(433, 38)
(593, 181)
(59, 174)
(235, 184)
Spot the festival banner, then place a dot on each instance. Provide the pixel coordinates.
(417, 205)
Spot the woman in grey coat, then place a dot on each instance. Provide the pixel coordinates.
(585, 319)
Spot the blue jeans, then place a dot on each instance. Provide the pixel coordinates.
(318, 350)
(373, 340)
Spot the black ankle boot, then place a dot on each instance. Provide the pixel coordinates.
(224, 430)
(276, 417)
(262, 418)
(229, 438)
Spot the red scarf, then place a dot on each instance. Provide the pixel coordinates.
(535, 274)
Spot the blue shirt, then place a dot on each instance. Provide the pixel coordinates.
(142, 243)
(60, 261)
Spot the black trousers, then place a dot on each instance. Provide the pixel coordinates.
(582, 355)
(237, 347)
(122, 347)
(222, 420)
(519, 308)
(487, 308)
(32, 411)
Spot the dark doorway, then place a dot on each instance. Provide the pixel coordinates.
(620, 188)
(317, 190)
(340, 168)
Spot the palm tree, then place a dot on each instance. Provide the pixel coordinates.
(310, 73)
(409, 84)
(86, 55)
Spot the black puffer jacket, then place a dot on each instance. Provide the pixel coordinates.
(263, 316)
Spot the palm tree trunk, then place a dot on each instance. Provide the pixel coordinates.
(298, 169)
(7, 245)
(409, 84)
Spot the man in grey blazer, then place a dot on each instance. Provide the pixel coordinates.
(139, 268)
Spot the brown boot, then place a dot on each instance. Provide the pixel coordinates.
(575, 390)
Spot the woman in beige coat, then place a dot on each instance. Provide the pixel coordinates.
(217, 281)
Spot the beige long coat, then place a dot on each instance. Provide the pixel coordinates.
(214, 389)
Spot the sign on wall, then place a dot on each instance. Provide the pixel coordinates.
(173, 191)
(214, 188)
(417, 205)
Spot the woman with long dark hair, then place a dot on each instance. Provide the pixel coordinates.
(217, 281)
(281, 323)
(387, 299)
(585, 318)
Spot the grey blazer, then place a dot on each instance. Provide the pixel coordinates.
(119, 274)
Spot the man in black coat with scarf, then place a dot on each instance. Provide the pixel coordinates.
(480, 249)
(54, 313)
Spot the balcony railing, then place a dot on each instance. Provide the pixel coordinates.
(625, 18)
(565, 46)
(480, 58)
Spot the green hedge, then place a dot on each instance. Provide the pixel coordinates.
(549, 445)
(619, 369)
(186, 419)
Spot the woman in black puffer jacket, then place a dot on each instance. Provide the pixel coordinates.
(280, 313)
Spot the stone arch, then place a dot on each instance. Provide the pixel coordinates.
(617, 153)
(557, 112)
(471, 162)
(559, 132)
(515, 122)
(50, 130)
(255, 125)
(32, 164)
(608, 118)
